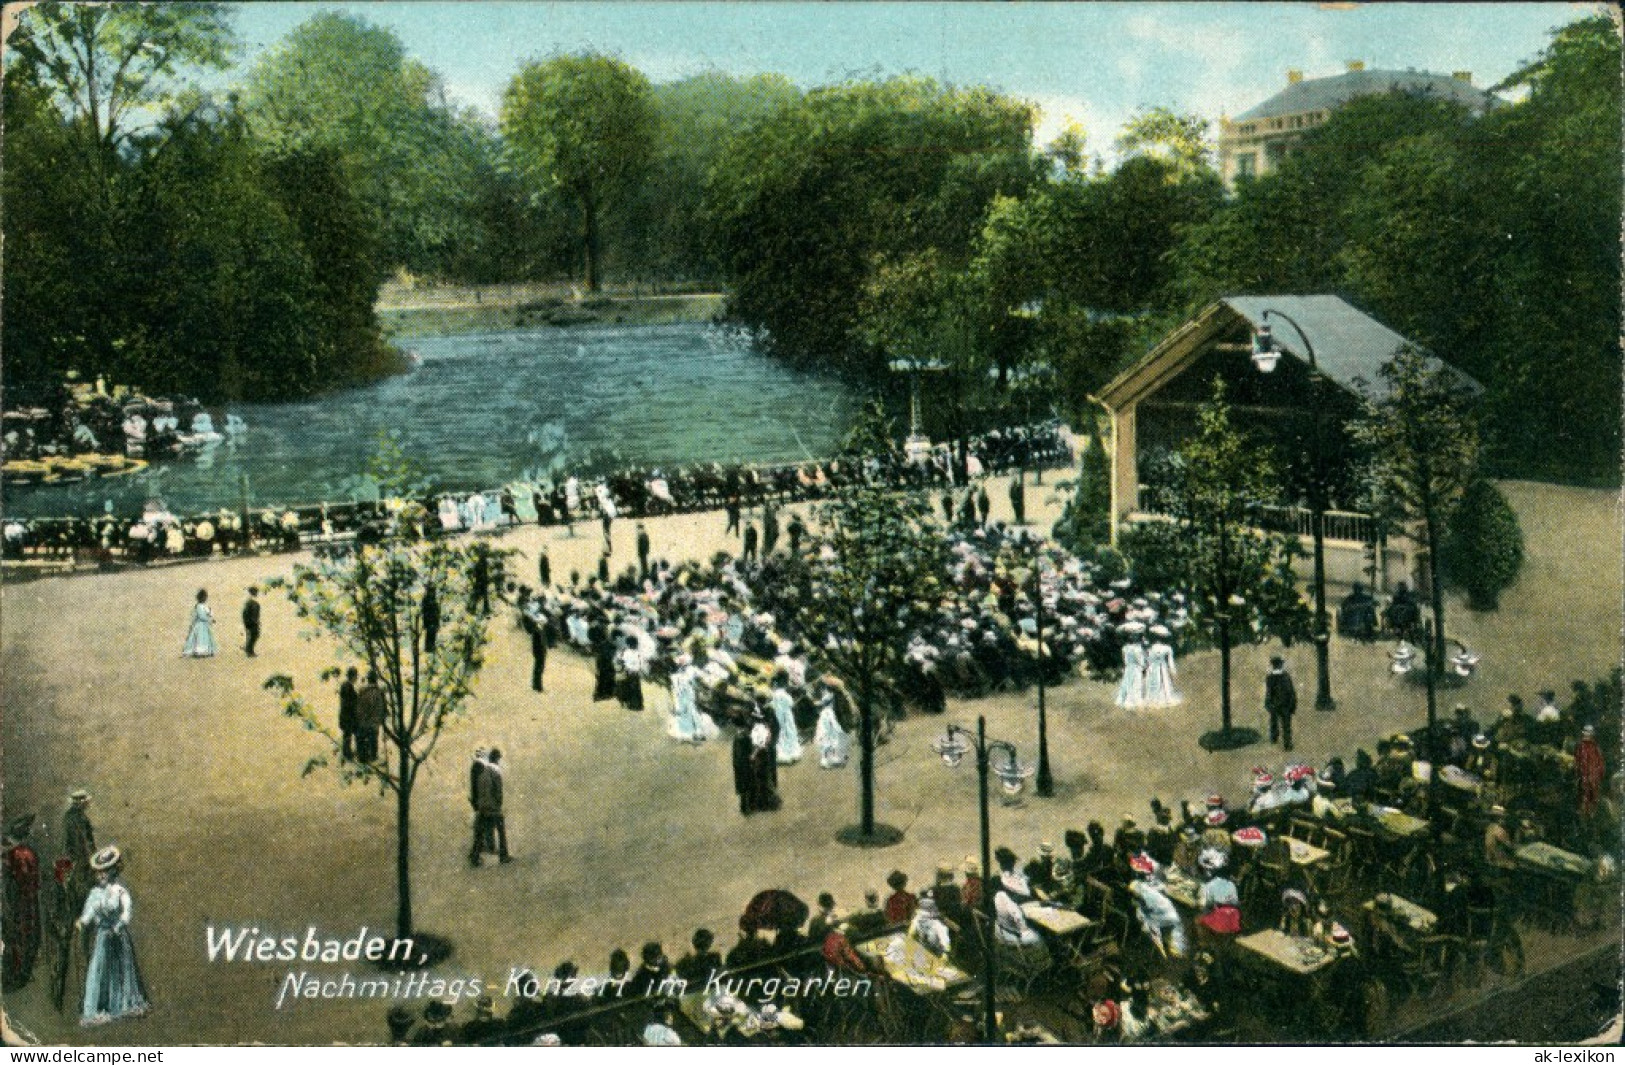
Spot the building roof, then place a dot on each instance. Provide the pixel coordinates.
(1351, 347)
(1327, 94)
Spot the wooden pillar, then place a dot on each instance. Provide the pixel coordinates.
(1125, 469)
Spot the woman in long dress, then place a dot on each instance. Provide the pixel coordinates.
(1160, 671)
(200, 637)
(1131, 691)
(688, 723)
(834, 747)
(113, 985)
(784, 709)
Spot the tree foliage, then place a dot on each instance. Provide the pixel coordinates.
(879, 569)
(582, 125)
(1484, 551)
(370, 606)
(1239, 579)
(1421, 437)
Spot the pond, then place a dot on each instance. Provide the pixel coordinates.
(481, 409)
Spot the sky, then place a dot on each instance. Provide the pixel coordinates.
(1091, 63)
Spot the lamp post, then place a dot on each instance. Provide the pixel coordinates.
(954, 744)
(1045, 783)
(1265, 356)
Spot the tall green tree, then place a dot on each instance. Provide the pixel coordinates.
(371, 607)
(879, 571)
(1240, 580)
(582, 126)
(1181, 141)
(1421, 434)
(338, 83)
(809, 200)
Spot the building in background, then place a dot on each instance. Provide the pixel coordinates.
(1253, 143)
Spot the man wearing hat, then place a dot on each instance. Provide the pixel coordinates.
(1280, 701)
(78, 842)
(22, 912)
(483, 1028)
(434, 1031)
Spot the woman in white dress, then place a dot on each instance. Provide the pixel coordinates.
(1159, 670)
(1131, 691)
(834, 747)
(113, 984)
(200, 637)
(688, 724)
(784, 709)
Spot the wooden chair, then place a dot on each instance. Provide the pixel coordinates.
(1339, 871)
(1306, 831)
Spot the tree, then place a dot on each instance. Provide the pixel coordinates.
(878, 572)
(1240, 579)
(582, 125)
(370, 605)
(339, 84)
(108, 65)
(810, 200)
(1178, 140)
(1484, 550)
(1086, 523)
(1420, 433)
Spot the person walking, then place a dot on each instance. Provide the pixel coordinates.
(251, 621)
(370, 709)
(349, 701)
(200, 637)
(731, 506)
(1280, 701)
(481, 834)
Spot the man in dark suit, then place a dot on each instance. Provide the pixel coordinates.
(251, 621)
(370, 709)
(1280, 701)
(643, 551)
(349, 701)
(536, 627)
(431, 618)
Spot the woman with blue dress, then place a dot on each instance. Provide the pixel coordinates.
(784, 709)
(113, 985)
(200, 637)
(688, 724)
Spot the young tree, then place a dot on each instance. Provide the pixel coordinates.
(371, 606)
(583, 125)
(877, 573)
(1422, 439)
(1239, 578)
(1484, 550)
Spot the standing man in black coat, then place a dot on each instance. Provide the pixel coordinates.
(370, 711)
(544, 570)
(1280, 701)
(643, 551)
(431, 618)
(535, 626)
(750, 543)
(251, 621)
(349, 698)
(1018, 498)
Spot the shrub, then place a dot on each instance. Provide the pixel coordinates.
(1483, 550)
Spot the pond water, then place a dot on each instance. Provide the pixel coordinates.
(482, 409)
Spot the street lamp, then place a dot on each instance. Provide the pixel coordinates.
(1045, 783)
(1265, 356)
(953, 745)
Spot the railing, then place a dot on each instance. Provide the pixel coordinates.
(1343, 525)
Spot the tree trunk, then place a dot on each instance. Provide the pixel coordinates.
(403, 854)
(866, 760)
(589, 240)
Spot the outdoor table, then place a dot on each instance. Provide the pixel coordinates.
(1053, 919)
(1460, 779)
(914, 968)
(1181, 888)
(1298, 955)
(1398, 824)
(1305, 855)
(1545, 858)
(1413, 917)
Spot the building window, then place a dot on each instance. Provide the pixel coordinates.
(1245, 165)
